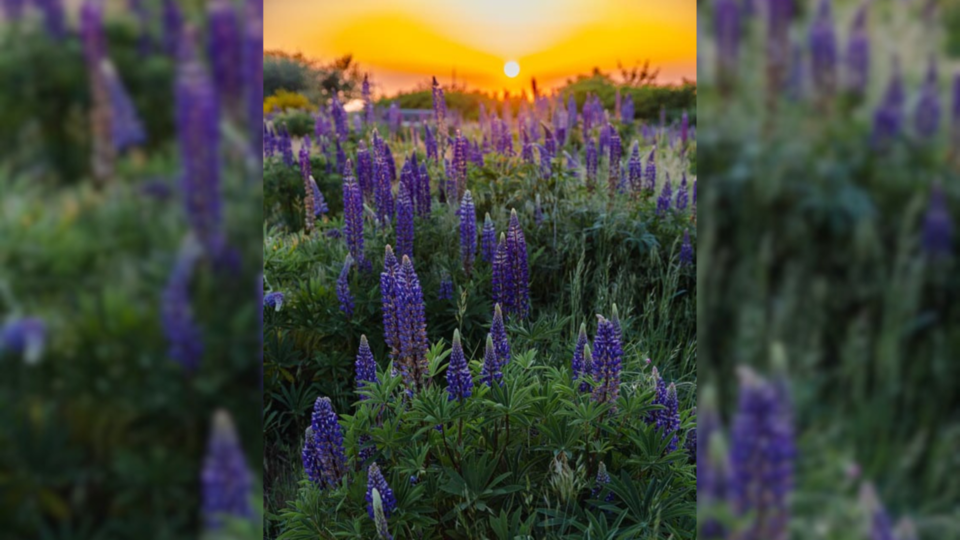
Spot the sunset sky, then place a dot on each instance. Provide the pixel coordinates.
(402, 42)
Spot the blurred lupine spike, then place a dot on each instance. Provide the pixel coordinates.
(937, 224)
(226, 479)
(607, 363)
(650, 174)
(172, 27)
(858, 53)
(353, 219)
(365, 176)
(343, 288)
(488, 239)
(491, 372)
(593, 164)
(888, 117)
(762, 457)
(665, 199)
(823, 50)
(499, 332)
(225, 49)
(459, 379)
(179, 326)
(519, 271)
(615, 321)
(659, 397)
(627, 110)
(366, 366)
(446, 288)
(376, 482)
(54, 17)
(468, 231)
(404, 212)
(727, 19)
(367, 102)
(390, 292)
(670, 425)
(253, 72)
(880, 524)
(927, 113)
(26, 336)
(603, 478)
(273, 300)
(683, 195)
(615, 154)
(581, 370)
(686, 250)
(328, 439)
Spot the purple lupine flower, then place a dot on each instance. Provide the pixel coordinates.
(53, 17)
(319, 203)
(823, 49)
(376, 481)
(339, 118)
(412, 326)
(650, 174)
(603, 141)
(343, 288)
(404, 223)
(423, 200)
(888, 118)
(226, 480)
(881, 526)
(353, 218)
(615, 152)
(14, 9)
(459, 380)
(762, 456)
(179, 327)
(457, 179)
(367, 102)
(273, 300)
(665, 199)
(927, 113)
(366, 366)
(365, 176)
(468, 231)
(172, 27)
(320, 126)
(670, 418)
(571, 112)
(499, 332)
(686, 250)
(224, 49)
(519, 269)
(446, 287)
(439, 106)
(713, 467)
(341, 159)
(937, 225)
(581, 371)
(607, 362)
(430, 141)
(603, 478)
(491, 372)
(390, 293)
(627, 111)
(635, 168)
(488, 239)
(683, 195)
(126, 127)
(727, 29)
(502, 279)
(659, 398)
(26, 336)
(858, 54)
(328, 443)
(408, 179)
(593, 162)
(384, 191)
(394, 118)
(367, 448)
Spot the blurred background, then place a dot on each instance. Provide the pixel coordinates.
(827, 262)
(130, 219)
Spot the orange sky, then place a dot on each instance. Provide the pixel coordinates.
(403, 42)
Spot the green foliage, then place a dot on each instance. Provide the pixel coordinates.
(295, 72)
(299, 123)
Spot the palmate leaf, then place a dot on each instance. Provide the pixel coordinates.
(511, 526)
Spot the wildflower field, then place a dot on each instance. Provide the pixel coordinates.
(480, 329)
(130, 215)
(829, 321)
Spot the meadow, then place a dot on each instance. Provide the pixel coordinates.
(130, 215)
(828, 324)
(479, 328)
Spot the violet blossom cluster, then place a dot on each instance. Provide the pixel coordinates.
(511, 276)
(226, 480)
(488, 239)
(404, 213)
(323, 456)
(343, 288)
(607, 362)
(459, 379)
(468, 231)
(405, 326)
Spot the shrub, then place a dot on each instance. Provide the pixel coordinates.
(283, 101)
(299, 123)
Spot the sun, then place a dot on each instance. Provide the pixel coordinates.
(511, 69)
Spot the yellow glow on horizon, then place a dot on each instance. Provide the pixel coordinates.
(402, 43)
(511, 69)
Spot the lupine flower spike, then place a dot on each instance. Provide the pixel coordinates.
(603, 478)
(490, 373)
(468, 231)
(376, 481)
(607, 362)
(579, 367)
(488, 239)
(366, 366)
(343, 288)
(324, 457)
(226, 480)
(459, 380)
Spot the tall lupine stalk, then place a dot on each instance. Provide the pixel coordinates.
(366, 366)
(183, 335)
(412, 327)
(501, 343)
(459, 379)
(762, 457)
(650, 173)
(779, 13)
(519, 269)
(353, 219)
(430, 142)
(95, 52)
(199, 137)
(339, 116)
(488, 239)
(665, 199)
(603, 478)
(423, 189)
(613, 180)
(376, 481)
(490, 373)
(126, 127)
(858, 54)
(926, 119)
(581, 370)
(670, 419)
(404, 222)
(225, 50)
(343, 288)
(888, 118)
(226, 480)
(253, 73)
(659, 397)
(635, 169)
(323, 454)
(713, 469)
(390, 293)
(54, 18)
(937, 225)
(627, 110)
(457, 179)
(173, 28)
(593, 163)
(365, 170)
(394, 119)
(468, 231)
(384, 191)
(368, 116)
(823, 51)
(309, 211)
(607, 363)
(503, 284)
(686, 250)
(440, 114)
